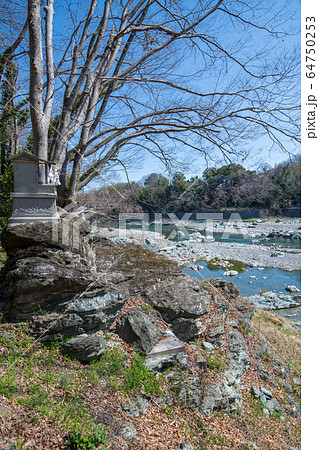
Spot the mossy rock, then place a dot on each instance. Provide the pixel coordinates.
(140, 266)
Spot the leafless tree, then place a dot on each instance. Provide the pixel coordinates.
(14, 26)
(156, 75)
(107, 203)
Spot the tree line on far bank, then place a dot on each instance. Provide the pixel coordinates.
(227, 187)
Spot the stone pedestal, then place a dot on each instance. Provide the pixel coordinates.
(34, 197)
(34, 207)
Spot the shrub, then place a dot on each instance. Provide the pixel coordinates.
(88, 441)
(140, 379)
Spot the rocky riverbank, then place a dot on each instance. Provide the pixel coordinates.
(141, 355)
(199, 247)
(288, 229)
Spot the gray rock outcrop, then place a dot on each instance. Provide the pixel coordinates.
(270, 404)
(134, 407)
(137, 329)
(181, 302)
(85, 348)
(96, 311)
(42, 273)
(132, 267)
(68, 234)
(181, 297)
(128, 431)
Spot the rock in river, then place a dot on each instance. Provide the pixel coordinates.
(271, 300)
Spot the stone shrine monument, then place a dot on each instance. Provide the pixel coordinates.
(34, 196)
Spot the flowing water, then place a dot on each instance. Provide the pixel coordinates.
(168, 230)
(269, 279)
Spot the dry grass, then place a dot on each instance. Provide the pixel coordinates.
(277, 331)
(46, 397)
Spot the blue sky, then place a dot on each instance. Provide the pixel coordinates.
(260, 150)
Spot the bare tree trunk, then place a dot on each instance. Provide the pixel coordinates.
(49, 62)
(61, 189)
(40, 141)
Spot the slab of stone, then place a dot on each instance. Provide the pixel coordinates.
(170, 345)
(265, 391)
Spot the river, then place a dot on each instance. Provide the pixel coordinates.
(271, 279)
(268, 279)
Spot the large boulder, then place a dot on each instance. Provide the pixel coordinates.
(68, 234)
(48, 265)
(131, 266)
(181, 301)
(136, 328)
(41, 281)
(96, 311)
(181, 297)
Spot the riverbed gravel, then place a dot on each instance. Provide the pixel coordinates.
(199, 247)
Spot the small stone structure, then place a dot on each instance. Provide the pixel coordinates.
(34, 196)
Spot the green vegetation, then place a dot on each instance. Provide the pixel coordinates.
(3, 257)
(81, 401)
(139, 380)
(229, 264)
(147, 308)
(227, 187)
(111, 364)
(215, 364)
(29, 375)
(90, 441)
(255, 405)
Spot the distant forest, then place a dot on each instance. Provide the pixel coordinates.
(227, 187)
